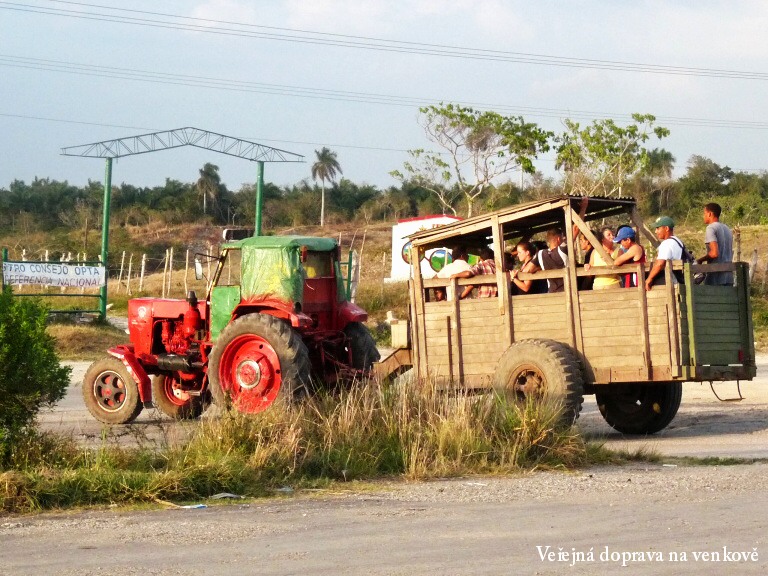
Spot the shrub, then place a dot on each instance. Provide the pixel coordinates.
(30, 374)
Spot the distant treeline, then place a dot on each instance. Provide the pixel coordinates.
(46, 204)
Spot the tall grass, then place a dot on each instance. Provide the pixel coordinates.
(369, 431)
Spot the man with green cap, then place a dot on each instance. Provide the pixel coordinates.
(671, 248)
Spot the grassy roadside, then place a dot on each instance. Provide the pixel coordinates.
(370, 432)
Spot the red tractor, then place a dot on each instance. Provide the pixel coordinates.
(276, 322)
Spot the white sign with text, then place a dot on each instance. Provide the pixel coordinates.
(53, 274)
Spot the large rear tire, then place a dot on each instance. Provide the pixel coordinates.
(640, 408)
(545, 370)
(364, 351)
(173, 400)
(110, 393)
(258, 360)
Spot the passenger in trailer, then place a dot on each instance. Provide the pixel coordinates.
(459, 264)
(486, 265)
(633, 253)
(528, 265)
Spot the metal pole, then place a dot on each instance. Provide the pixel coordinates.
(105, 239)
(5, 259)
(259, 196)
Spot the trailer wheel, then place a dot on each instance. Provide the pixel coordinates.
(257, 360)
(172, 400)
(364, 351)
(110, 393)
(640, 408)
(543, 369)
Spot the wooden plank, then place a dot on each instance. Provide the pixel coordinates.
(421, 351)
(596, 297)
(603, 358)
(437, 322)
(672, 315)
(541, 314)
(634, 215)
(710, 332)
(557, 334)
(584, 229)
(571, 287)
(709, 307)
(502, 280)
(556, 299)
(745, 305)
(719, 357)
(449, 348)
(524, 330)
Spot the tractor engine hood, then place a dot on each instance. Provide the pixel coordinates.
(143, 312)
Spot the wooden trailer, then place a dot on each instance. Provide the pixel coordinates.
(631, 347)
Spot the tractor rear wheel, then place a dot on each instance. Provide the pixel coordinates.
(546, 370)
(110, 393)
(257, 360)
(173, 400)
(364, 351)
(640, 408)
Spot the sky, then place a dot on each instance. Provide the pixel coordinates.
(351, 75)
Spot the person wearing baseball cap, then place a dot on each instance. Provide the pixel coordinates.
(633, 253)
(671, 248)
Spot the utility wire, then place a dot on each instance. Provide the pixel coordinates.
(88, 11)
(232, 85)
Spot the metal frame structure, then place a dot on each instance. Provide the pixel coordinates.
(166, 140)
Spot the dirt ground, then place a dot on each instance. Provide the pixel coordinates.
(662, 518)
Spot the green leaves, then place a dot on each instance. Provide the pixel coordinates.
(30, 374)
(477, 148)
(601, 157)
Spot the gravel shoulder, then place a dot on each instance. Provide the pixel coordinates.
(459, 526)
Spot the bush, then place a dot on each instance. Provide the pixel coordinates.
(30, 374)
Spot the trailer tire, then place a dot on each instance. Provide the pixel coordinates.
(173, 401)
(545, 369)
(364, 351)
(257, 360)
(110, 393)
(640, 408)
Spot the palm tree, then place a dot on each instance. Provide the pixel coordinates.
(208, 184)
(660, 165)
(325, 168)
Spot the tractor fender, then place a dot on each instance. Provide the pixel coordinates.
(136, 370)
(349, 312)
(276, 308)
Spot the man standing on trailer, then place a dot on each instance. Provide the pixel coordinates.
(719, 241)
(671, 248)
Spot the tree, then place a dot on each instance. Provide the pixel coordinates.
(600, 158)
(659, 169)
(30, 374)
(208, 184)
(325, 168)
(480, 146)
(703, 180)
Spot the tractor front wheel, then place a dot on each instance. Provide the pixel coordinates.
(175, 401)
(363, 346)
(110, 393)
(257, 360)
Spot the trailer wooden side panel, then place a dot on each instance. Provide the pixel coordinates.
(718, 326)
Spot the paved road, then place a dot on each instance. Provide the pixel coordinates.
(463, 526)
